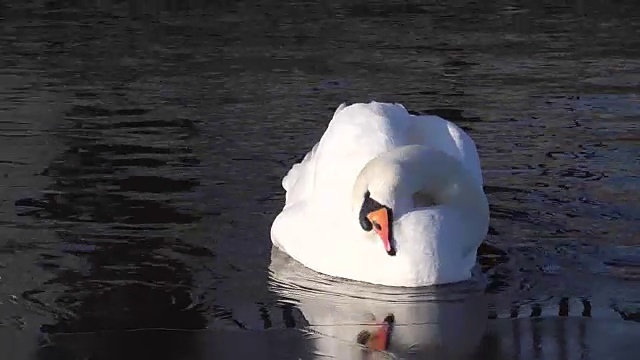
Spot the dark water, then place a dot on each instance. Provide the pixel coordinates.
(142, 145)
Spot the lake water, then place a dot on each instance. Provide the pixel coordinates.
(142, 145)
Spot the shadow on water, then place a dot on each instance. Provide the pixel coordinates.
(142, 145)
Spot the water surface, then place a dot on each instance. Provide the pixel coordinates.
(142, 146)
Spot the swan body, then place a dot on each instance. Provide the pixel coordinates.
(386, 197)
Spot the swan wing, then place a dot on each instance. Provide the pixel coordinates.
(319, 188)
(299, 180)
(356, 134)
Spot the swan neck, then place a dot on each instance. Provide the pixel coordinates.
(432, 177)
(395, 178)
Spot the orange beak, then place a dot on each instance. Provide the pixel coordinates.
(381, 337)
(378, 340)
(380, 219)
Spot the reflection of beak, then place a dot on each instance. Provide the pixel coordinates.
(380, 338)
(381, 220)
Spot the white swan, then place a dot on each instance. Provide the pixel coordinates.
(386, 197)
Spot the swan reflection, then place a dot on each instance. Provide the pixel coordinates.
(357, 320)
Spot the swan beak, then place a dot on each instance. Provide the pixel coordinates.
(381, 221)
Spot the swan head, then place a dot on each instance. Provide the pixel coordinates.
(375, 196)
(374, 216)
(399, 181)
